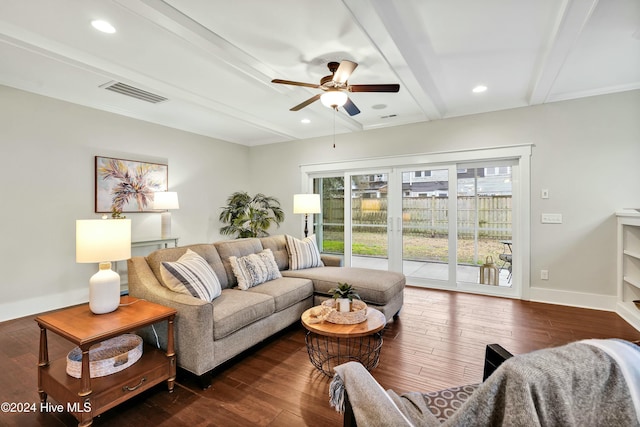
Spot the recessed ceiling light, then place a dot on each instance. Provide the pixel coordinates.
(103, 26)
(379, 106)
(305, 121)
(479, 89)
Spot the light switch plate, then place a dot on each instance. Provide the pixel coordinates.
(544, 193)
(551, 218)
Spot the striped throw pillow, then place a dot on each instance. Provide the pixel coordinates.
(191, 275)
(254, 269)
(303, 253)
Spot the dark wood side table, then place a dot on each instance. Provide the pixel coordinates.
(87, 397)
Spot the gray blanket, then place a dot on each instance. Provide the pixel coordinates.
(573, 385)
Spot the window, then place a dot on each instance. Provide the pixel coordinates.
(502, 170)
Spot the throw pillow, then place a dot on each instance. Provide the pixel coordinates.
(303, 253)
(191, 275)
(254, 269)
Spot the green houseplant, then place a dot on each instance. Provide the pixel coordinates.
(344, 294)
(248, 216)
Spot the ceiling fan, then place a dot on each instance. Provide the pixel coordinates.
(335, 87)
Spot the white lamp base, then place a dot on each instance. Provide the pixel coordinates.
(165, 225)
(104, 290)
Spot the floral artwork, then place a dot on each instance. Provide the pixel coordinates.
(127, 185)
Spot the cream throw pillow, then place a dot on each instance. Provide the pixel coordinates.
(254, 269)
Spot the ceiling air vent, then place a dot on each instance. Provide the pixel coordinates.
(134, 92)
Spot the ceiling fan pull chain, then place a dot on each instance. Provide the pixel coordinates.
(334, 127)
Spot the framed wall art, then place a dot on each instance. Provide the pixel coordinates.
(128, 185)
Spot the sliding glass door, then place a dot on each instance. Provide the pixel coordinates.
(425, 223)
(329, 225)
(484, 223)
(445, 224)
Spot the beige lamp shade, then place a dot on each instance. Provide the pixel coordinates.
(306, 204)
(165, 200)
(100, 240)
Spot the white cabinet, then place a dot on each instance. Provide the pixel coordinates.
(629, 266)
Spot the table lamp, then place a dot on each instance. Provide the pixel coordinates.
(165, 200)
(306, 204)
(103, 241)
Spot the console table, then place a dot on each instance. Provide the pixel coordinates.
(87, 397)
(142, 242)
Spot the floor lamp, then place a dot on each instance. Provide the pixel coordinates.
(306, 204)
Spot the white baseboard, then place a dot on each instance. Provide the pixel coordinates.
(573, 299)
(630, 316)
(27, 307)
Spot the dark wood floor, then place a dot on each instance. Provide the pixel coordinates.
(437, 342)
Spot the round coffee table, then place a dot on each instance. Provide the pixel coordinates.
(332, 344)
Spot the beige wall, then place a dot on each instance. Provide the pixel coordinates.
(587, 153)
(47, 149)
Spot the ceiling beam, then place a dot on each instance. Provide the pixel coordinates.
(572, 18)
(406, 47)
(215, 46)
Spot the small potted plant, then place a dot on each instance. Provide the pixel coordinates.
(344, 295)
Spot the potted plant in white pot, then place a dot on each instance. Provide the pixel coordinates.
(344, 295)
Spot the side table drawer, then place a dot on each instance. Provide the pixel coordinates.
(152, 368)
(108, 391)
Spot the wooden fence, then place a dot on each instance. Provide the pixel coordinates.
(427, 215)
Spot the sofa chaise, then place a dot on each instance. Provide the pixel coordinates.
(211, 329)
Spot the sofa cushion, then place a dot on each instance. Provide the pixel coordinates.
(303, 253)
(286, 291)
(205, 250)
(234, 309)
(237, 248)
(253, 269)
(278, 245)
(374, 286)
(191, 275)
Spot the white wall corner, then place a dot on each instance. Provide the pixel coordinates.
(631, 318)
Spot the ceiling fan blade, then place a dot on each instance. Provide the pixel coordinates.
(305, 103)
(374, 88)
(344, 71)
(350, 107)
(289, 82)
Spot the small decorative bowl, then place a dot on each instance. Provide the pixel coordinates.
(357, 314)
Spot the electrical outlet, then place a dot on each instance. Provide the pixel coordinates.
(544, 274)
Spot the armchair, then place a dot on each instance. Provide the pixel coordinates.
(590, 382)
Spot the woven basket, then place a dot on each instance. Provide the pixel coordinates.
(107, 357)
(357, 314)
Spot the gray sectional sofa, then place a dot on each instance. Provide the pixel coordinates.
(208, 333)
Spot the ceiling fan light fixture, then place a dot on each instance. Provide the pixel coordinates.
(333, 99)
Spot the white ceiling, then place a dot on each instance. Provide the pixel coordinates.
(214, 59)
